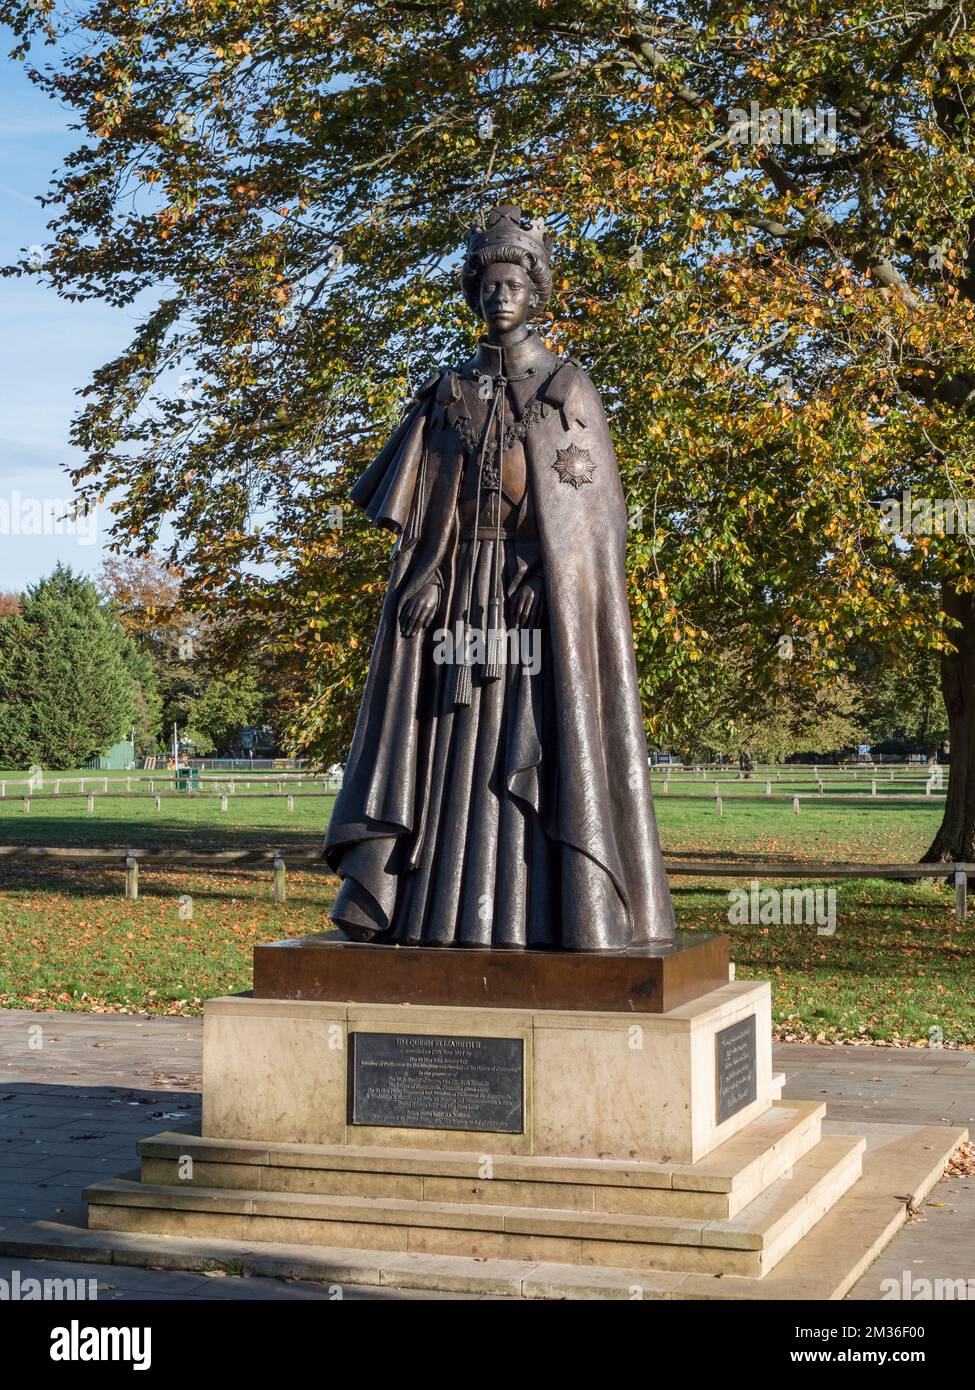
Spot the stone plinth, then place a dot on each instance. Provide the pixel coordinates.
(596, 1085)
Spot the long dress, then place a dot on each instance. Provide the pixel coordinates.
(521, 819)
(487, 874)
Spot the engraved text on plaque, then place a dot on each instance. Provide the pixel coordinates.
(422, 1081)
(735, 1058)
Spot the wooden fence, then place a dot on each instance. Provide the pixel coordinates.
(278, 859)
(123, 786)
(131, 859)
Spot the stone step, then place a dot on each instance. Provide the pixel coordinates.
(790, 1207)
(747, 1245)
(824, 1265)
(718, 1186)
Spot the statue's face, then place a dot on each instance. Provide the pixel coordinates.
(507, 297)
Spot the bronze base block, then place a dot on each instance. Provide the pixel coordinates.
(649, 980)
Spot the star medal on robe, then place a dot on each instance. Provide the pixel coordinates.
(574, 465)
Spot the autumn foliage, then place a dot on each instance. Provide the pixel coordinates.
(781, 327)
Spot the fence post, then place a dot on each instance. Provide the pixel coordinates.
(223, 801)
(81, 785)
(821, 786)
(158, 801)
(768, 788)
(665, 788)
(152, 786)
(131, 876)
(91, 801)
(57, 786)
(104, 784)
(280, 889)
(795, 805)
(26, 804)
(717, 801)
(3, 789)
(291, 803)
(128, 784)
(961, 892)
(873, 786)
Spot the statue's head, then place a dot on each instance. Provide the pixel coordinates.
(507, 274)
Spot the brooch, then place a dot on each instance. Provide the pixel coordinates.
(574, 465)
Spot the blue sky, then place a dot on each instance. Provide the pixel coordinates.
(48, 348)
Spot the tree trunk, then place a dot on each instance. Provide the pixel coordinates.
(955, 839)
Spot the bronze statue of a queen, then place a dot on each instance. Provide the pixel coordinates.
(497, 791)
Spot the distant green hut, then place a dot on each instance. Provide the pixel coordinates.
(119, 757)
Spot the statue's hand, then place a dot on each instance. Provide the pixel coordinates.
(528, 602)
(417, 612)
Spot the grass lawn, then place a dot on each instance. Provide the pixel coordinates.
(184, 820)
(898, 965)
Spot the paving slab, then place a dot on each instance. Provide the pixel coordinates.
(903, 1087)
(928, 1249)
(133, 1285)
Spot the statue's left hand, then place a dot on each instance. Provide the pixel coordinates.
(417, 612)
(526, 607)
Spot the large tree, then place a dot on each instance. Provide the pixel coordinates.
(225, 705)
(146, 596)
(69, 677)
(905, 707)
(209, 683)
(782, 328)
(793, 719)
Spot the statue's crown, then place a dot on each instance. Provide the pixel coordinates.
(508, 226)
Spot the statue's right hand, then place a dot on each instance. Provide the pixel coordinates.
(417, 612)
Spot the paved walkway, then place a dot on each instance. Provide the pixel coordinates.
(78, 1090)
(895, 1086)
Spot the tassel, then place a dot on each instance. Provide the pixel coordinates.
(494, 665)
(462, 686)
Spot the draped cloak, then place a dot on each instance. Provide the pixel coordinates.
(584, 771)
